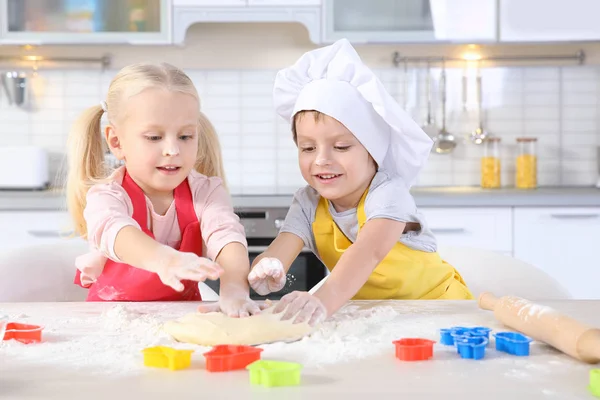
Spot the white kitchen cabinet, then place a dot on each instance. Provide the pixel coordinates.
(409, 21)
(26, 228)
(186, 16)
(564, 243)
(85, 22)
(549, 20)
(484, 228)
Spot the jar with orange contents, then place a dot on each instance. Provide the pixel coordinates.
(490, 163)
(526, 168)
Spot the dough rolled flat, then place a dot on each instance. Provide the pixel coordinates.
(216, 328)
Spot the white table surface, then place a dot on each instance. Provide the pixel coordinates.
(71, 362)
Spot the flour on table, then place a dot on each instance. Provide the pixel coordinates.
(111, 342)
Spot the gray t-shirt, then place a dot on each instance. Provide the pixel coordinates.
(387, 197)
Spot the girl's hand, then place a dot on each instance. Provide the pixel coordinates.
(173, 266)
(233, 307)
(307, 306)
(267, 276)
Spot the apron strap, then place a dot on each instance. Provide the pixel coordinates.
(138, 200)
(184, 205)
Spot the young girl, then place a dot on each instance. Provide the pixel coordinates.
(359, 152)
(147, 221)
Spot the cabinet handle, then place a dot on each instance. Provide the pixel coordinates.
(448, 230)
(574, 216)
(48, 234)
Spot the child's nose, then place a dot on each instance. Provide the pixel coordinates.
(170, 149)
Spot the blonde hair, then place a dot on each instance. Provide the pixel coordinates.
(86, 145)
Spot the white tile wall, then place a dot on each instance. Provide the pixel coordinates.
(558, 105)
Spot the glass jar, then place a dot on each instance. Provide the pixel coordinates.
(526, 171)
(490, 163)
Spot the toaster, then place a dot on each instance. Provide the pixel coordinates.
(23, 168)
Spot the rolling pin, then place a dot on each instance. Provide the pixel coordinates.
(545, 325)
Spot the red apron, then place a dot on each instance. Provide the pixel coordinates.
(122, 282)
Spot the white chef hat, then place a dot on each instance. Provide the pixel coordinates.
(334, 81)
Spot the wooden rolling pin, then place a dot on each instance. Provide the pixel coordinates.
(546, 325)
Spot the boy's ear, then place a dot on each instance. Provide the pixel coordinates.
(113, 142)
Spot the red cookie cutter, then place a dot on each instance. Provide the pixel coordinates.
(414, 349)
(23, 333)
(231, 357)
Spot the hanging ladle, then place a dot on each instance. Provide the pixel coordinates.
(445, 141)
(479, 135)
(429, 127)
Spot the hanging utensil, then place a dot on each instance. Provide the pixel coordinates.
(465, 85)
(445, 141)
(479, 134)
(15, 87)
(405, 85)
(429, 127)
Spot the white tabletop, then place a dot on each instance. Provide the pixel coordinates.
(93, 350)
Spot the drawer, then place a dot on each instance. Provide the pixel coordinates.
(26, 228)
(484, 228)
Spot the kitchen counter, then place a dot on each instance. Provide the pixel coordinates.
(94, 350)
(52, 200)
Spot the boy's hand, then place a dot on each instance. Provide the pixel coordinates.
(307, 306)
(173, 266)
(267, 276)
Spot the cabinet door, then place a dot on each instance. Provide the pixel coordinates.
(563, 242)
(549, 20)
(465, 20)
(409, 21)
(484, 228)
(86, 21)
(25, 228)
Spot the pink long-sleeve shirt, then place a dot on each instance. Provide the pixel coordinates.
(109, 209)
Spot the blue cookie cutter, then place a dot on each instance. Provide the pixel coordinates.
(448, 336)
(513, 343)
(471, 346)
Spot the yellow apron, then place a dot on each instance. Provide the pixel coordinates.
(404, 274)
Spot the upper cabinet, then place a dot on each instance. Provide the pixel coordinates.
(549, 20)
(409, 21)
(85, 21)
(189, 12)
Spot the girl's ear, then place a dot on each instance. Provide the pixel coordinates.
(113, 142)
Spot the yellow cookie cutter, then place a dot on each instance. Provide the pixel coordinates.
(167, 357)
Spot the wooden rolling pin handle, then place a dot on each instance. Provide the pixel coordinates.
(487, 301)
(588, 346)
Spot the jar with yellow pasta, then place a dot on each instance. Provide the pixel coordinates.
(526, 170)
(490, 163)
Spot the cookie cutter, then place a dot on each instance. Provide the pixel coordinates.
(231, 357)
(414, 349)
(167, 357)
(448, 335)
(472, 347)
(23, 333)
(595, 382)
(513, 343)
(274, 373)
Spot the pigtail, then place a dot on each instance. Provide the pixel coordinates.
(210, 162)
(86, 163)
